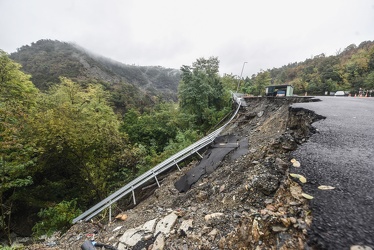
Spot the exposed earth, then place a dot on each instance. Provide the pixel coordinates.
(248, 203)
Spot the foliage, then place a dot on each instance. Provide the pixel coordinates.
(182, 140)
(10, 248)
(129, 85)
(349, 70)
(78, 140)
(260, 82)
(17, 95)
(153, 128)
(201, 93)
(56, 218)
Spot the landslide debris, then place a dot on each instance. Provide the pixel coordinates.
(248, 203)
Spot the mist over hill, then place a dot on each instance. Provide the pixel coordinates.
(130, 85)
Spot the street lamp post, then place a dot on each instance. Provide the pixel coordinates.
(237, 88)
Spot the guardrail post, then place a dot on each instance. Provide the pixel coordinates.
(177, 165)
(156, 179)
(199, 154)
(110, 212)
(133, 195)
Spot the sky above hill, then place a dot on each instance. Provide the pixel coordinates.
(172, 33)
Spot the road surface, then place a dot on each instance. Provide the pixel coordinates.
(340, 154)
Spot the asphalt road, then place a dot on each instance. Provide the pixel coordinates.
(340, 154)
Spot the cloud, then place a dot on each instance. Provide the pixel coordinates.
(171, 33)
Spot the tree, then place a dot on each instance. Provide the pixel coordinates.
(79, 144)
(152, 129)
(201, 93)
(17, 98)
(369, 81)
(262, 80)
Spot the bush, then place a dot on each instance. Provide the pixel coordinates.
(56, 218)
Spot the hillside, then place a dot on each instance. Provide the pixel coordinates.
(130, 85)
(249, 202)
(350, 69)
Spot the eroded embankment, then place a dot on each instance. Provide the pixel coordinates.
(256, 205)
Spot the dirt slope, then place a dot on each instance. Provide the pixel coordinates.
(256, 203)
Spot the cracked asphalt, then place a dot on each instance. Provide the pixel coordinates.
(340, 154)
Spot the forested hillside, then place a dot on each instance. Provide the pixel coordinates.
(63, 148)
(130, 86)
(350, 70)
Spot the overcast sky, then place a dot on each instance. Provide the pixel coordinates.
(172, 33)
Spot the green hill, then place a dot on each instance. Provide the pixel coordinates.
(350, 70)
(131, 86)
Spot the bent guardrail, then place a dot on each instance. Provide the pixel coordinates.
(152, 173)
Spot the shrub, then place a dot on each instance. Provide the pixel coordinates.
(56, 218)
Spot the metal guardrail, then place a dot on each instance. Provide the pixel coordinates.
(152, 173)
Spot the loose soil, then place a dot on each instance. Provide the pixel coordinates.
(262, 205)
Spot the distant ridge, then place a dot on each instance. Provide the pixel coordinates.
(47, 60)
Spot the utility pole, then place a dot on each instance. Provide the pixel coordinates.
(237, 88)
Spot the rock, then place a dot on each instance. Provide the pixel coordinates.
(296, 191)
(202, 196)
(270, 207)
(260, 114)
(149, 226)
(357, 247)
(222, 188)
(117, 228)
(164, 225)
(159, 243)
(280, 162)
(250, 115)
(264, 211)
(121, 217)
(180, 212)
(281, 210)
(186, 227)
(253, 150)
(213, 233)
(268, 201)
(121, 246)
(266, 183)
(131, 237)
(255, 231)
(286, 222)
(193, 209)
(279, 229)
(281, 165)
(293, 220)
(213, 216)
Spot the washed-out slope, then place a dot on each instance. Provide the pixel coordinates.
(259, 206)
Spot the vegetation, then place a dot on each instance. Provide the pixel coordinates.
(77, 137)
(56, 218)
(129, 86)
(69, 147)
(17, 100)
(350, 70)
(202, 96)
